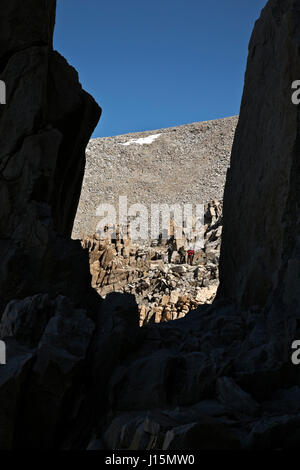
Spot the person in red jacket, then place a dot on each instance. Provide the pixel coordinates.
(191, 254)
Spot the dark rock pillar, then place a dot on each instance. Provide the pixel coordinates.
(260, 262)
(44, 129)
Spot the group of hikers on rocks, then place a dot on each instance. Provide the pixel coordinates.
(186, 256)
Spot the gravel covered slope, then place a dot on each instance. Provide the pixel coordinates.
(185, 164)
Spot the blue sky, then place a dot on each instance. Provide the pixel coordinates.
(159, 63)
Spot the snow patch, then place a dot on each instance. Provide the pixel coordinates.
(143, 140)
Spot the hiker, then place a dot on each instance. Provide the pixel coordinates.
(191, 254)
(170, 253)
(182, 254)
(171, 249)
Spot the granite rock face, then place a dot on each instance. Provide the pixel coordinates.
(45, 294)
(44, 129)
(261, 204)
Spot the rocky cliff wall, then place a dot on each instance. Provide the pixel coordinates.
(44, 276)
(261, 203)
(44, 129)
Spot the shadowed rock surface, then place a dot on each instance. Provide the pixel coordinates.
(261, 205)
(44, 129)
(82, 377)
(44, 276)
